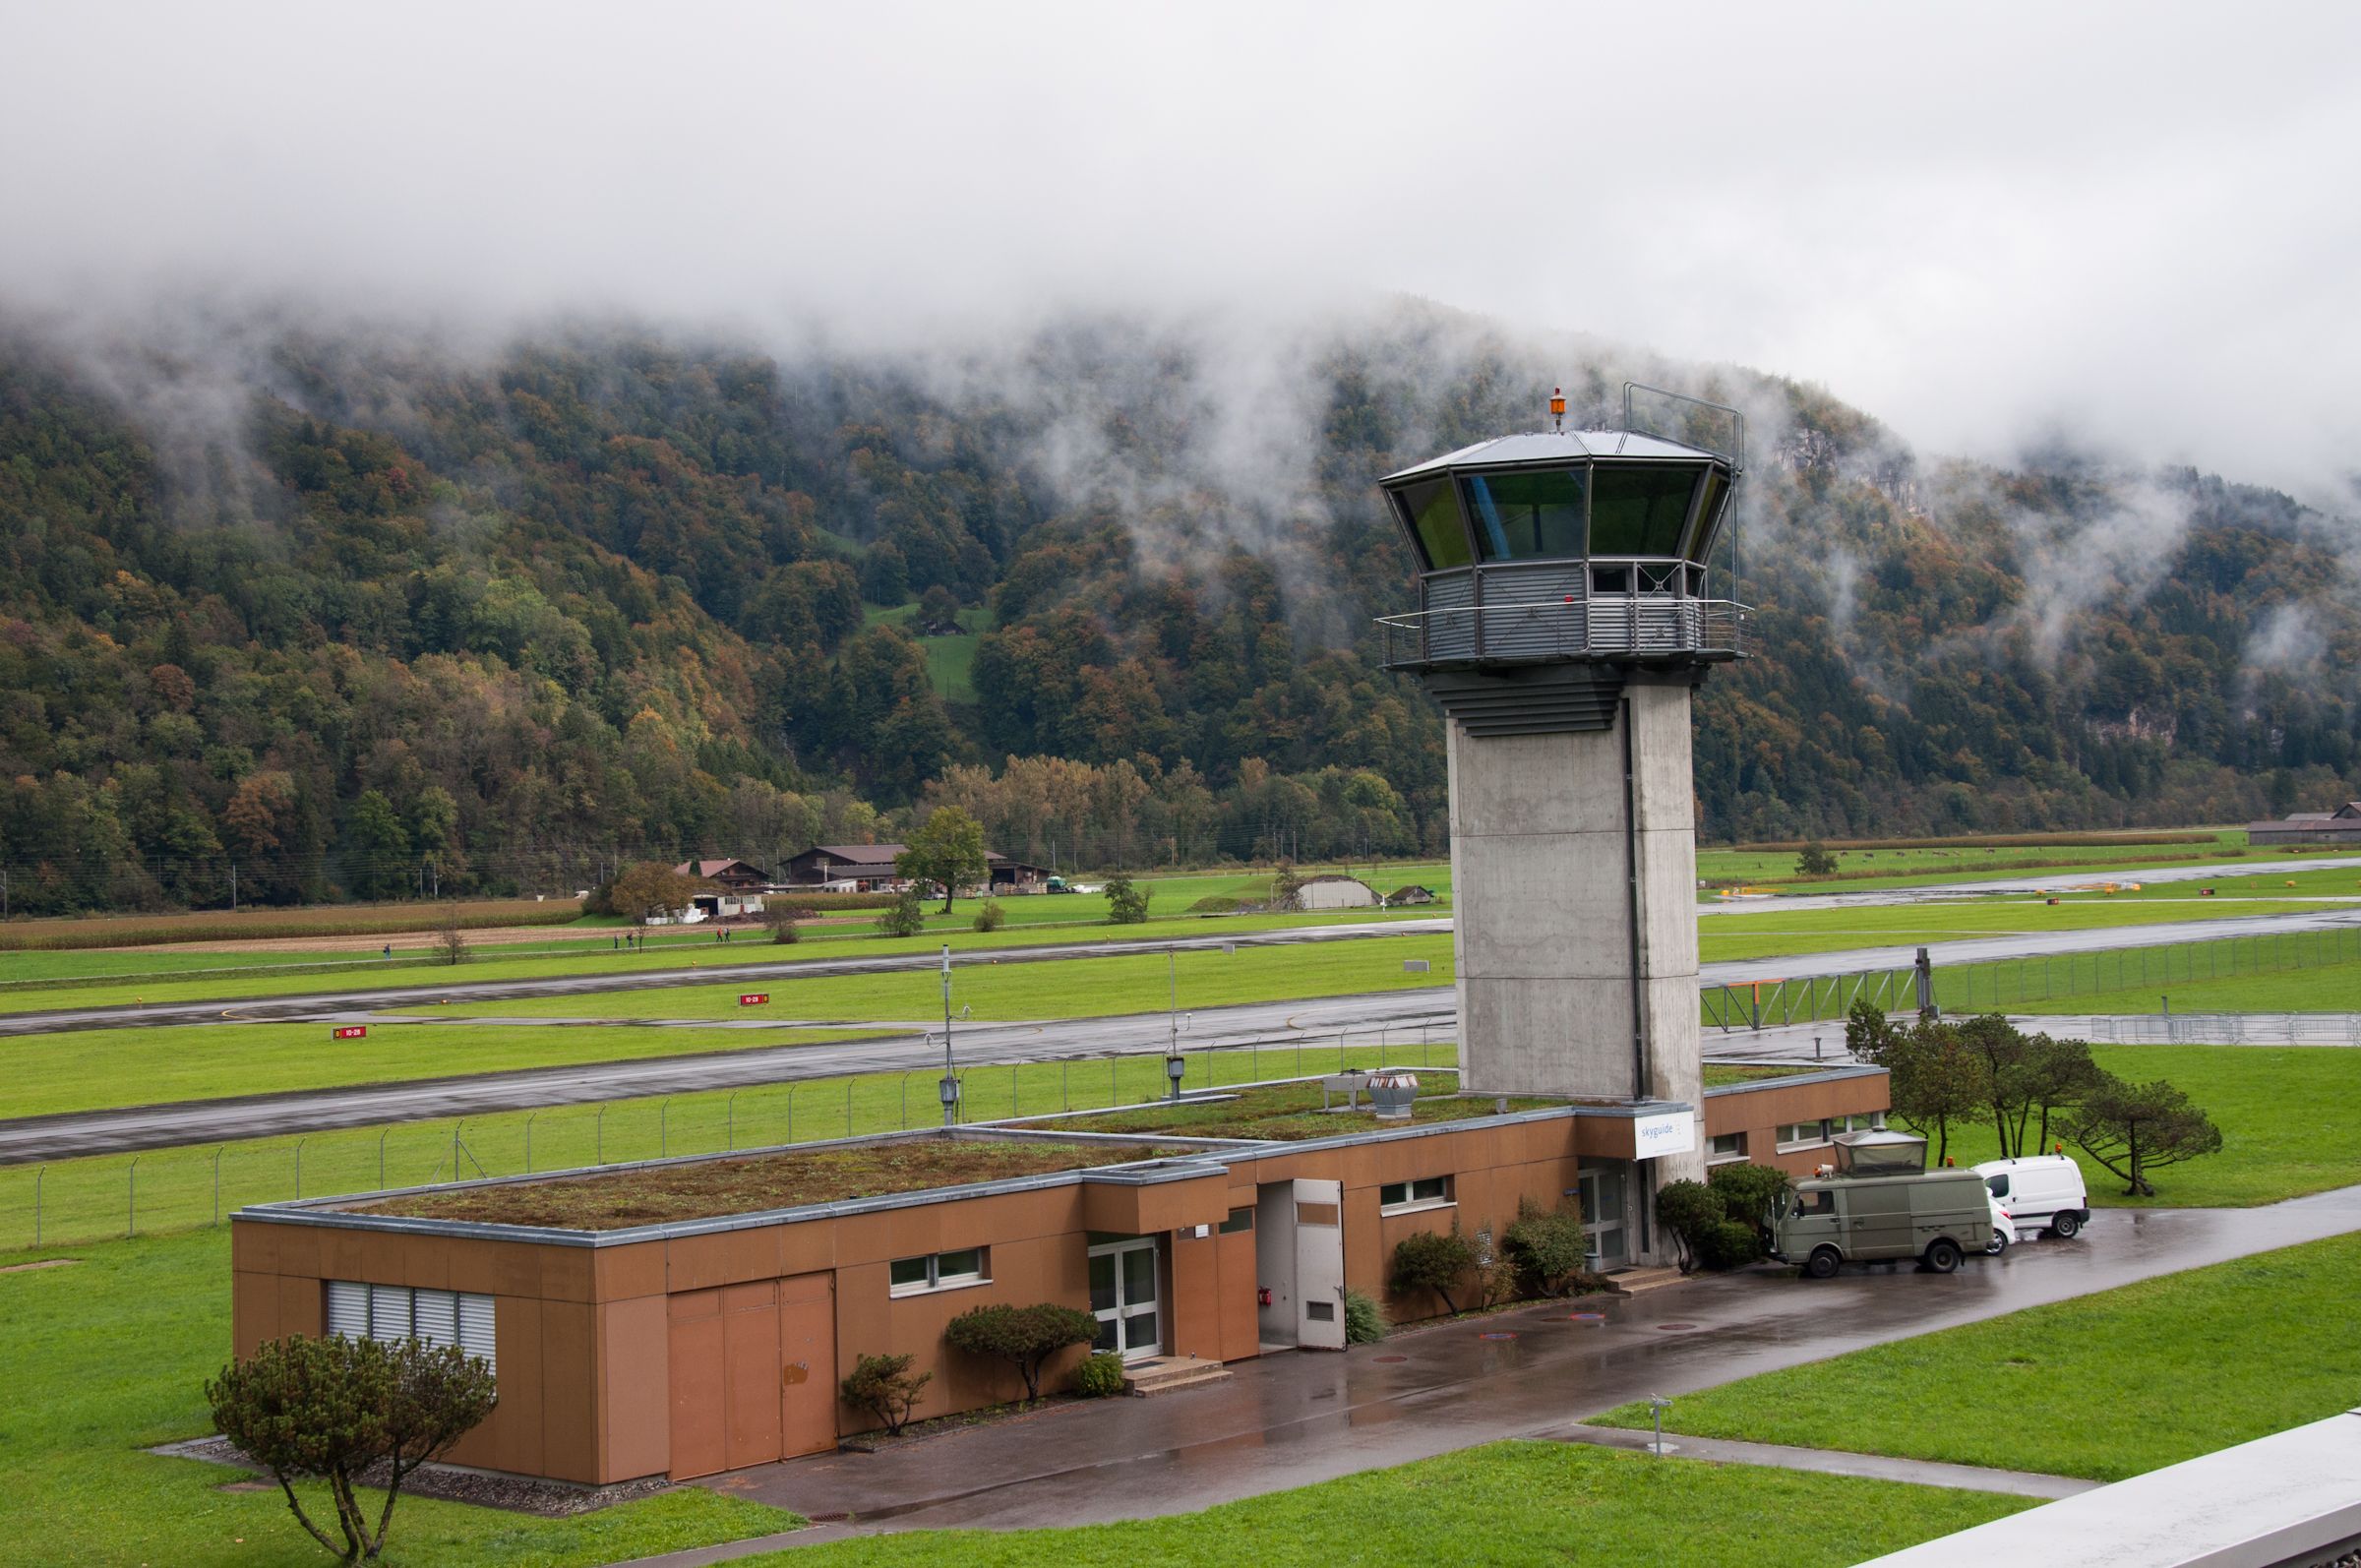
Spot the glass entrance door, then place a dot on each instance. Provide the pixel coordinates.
(1601, 1190)
(1122, 1296)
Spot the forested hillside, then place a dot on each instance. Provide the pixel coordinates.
(333, 616)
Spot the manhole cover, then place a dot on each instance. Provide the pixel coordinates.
(1676, 1325)
(1389, 1360)
(1497, 1334)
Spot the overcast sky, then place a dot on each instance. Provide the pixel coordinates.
(1973, 222)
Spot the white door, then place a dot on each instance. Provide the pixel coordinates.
(1122, 1296)
(1320, 1265)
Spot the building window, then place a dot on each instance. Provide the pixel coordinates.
(939, 1271)
(1800, 1133)
(1726, 1146)
(1873, 1121)
(1237, 1219)
(392, 1312)
(1428, 1192)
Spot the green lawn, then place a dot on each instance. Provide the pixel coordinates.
(2326, 988)
(579, 958)
(1506, 1503)
(1080, 988)
(2102, 1386)
(1759, 932)
(100, 1069)
(110, 1357)
(177, 1188)
(2290, 1123)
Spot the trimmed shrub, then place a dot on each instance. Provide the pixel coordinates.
(783, 928)
(1433, 1260)
(886, 1388)
(1546, 1247)
(1025, 1337)
(1751, 1194)
(1365, 1323)
(1728, 1244)
(1100, 1376)
(990, 915)
(1687, 1209)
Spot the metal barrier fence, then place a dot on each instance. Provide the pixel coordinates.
(102, 1197)
(2227, 1029)
(2002, 983)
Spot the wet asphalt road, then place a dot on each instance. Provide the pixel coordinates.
(1294, 1419)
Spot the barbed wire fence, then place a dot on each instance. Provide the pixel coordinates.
(63, 1203)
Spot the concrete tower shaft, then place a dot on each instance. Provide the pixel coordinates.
(1574, 870)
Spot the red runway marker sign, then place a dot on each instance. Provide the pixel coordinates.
(354, 1032)
(754, 999)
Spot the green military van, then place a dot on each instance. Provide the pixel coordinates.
(1879, 1204)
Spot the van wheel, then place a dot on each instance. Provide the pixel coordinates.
(1997, 1245)
(2064, 1224)
(1942, 1255)
(1823, 1264)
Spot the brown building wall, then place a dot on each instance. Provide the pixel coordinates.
(1760, 1113)
(696, 1352)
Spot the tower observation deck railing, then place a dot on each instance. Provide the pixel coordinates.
(1549, 612)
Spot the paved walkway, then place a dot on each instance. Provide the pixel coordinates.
(1292, 1421)
(1835, 1461)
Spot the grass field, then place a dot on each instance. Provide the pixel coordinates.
(2290, 1123)
(1076, 989)
(2324, 988)
(1505, 1503)
(1758, 932)
(110, 1357)
(257, 924)
(94, 1069)
(177, 1188)
(497, 964)
(2102, 1386)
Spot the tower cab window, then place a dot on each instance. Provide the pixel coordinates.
(1530, 514)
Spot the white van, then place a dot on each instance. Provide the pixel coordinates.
(2043, 1192)
(2004, 1231)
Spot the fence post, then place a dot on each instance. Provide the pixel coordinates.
(729, 1121)
(454, 1147)
(131, 1209)
(664, 1128)
(38, 1176)
(217, 1184)
(1065, 1101)
(599, 1133)
(848, 1107)
(529, 1141)
(791, 1113)
(381, 1159)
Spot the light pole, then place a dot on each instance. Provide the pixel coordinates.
(951, 1079)
(1176, 1066)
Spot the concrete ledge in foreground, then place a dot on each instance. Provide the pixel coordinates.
(2289, 1500)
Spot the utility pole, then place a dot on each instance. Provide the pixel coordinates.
(233, 886)
(951, 1079)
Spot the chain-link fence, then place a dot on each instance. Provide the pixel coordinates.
(101, 1197)
(2001, 985)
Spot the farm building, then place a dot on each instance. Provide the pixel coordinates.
(2340, 827)
(1335, 892)
(870, 868)
(686, 1316)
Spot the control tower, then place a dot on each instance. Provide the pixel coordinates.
(1563, 618)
